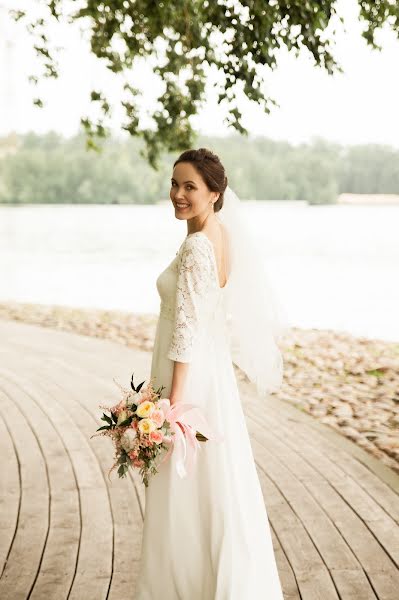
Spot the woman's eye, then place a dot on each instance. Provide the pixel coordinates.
(188, 186)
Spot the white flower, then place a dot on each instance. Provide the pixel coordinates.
(122, 417)
(133, 396)
(128, 438)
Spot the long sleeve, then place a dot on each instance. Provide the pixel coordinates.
(194, 280)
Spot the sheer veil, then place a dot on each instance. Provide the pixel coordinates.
(256, 318)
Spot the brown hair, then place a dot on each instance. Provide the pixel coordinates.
(210, 168)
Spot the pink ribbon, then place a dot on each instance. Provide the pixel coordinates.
(185, 420)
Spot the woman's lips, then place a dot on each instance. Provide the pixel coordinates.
(181, 207)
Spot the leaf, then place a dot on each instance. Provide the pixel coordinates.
(106, 418)
(122, 470)
(186, 30)
(126, 422)
(103, 427)
(140, 386)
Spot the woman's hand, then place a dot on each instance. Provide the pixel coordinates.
(174, 399)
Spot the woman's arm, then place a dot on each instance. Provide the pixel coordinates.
(180, 371)
(193, 283)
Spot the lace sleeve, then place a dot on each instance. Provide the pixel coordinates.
(193, 282)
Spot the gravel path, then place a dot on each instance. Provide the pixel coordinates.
(350, 383)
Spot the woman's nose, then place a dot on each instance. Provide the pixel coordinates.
(179, 194)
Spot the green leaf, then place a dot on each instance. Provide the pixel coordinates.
(122, 470)
(126, 422)
(106, 418)
(140, 386)
(103, 427)
(122, 31)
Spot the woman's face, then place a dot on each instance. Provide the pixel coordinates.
(189, 192)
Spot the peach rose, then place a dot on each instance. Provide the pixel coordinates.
(156, 436)
(158, 417)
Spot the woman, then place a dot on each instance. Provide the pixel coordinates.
(206, 536)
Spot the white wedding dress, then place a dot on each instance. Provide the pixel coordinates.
(207, 536)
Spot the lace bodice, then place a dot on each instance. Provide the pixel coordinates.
(190, 294)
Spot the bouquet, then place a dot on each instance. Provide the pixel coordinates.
(143, 426)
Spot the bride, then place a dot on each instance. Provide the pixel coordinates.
(206, 536)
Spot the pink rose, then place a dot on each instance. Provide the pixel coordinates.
(158, 417)
(137, 462)
(156, 436)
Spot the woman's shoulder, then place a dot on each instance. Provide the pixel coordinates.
(196, 249)
(197, 242)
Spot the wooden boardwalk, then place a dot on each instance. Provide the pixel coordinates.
(67, 532)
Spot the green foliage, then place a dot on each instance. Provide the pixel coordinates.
(240, 39)
(123, 470)
(50, 169)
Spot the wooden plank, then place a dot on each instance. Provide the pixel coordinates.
(59, 556)
(331, 545)
(33, 522)
(126, 515)
(351, 586)
(295, 541)
(330, 440)
(286, 573)
(372, 556)
(317, 491)
(10, 493)
(94, 567)
(380, 523)
(380, 491)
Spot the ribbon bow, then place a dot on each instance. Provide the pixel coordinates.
(185, 420)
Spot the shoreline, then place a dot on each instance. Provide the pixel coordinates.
(348, 383)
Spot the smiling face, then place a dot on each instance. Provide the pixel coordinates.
(190, 195)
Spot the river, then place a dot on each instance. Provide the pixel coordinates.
(334, 266)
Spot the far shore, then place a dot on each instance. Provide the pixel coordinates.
(349, 383)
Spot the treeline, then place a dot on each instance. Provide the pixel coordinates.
(51, 169)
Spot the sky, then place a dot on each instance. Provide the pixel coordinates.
(358, 106)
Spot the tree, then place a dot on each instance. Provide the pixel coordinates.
(238, 37)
